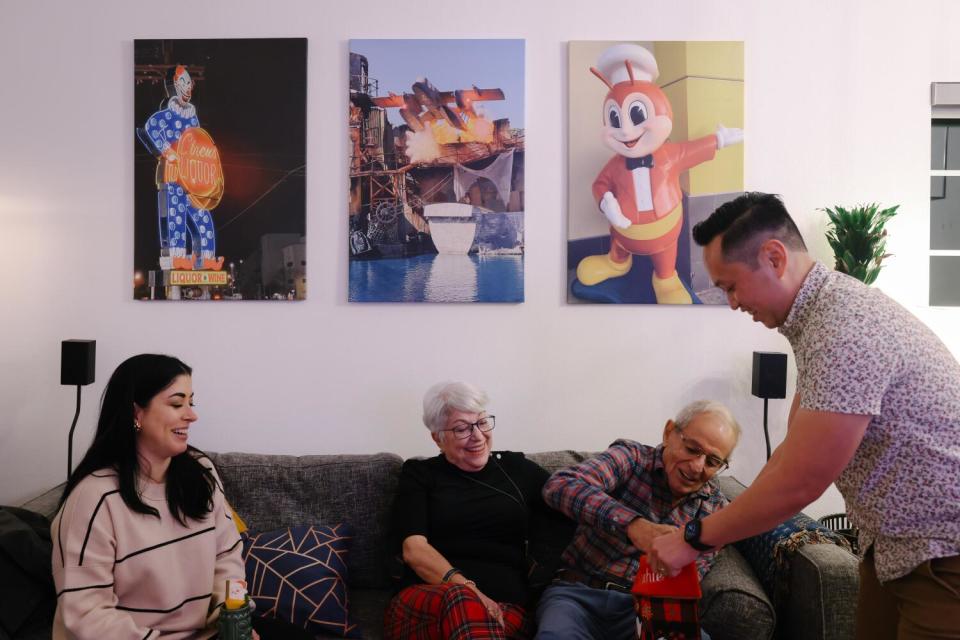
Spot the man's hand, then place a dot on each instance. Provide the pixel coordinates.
(642, 532)
(670, 553)
(611, 209)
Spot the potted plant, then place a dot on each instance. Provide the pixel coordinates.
(858, 239)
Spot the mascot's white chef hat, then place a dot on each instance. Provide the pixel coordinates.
(611, 63)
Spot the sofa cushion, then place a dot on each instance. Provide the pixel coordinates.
(367, 607)
(274, 491)
(555, 460)
(734, 605)
(298, 575)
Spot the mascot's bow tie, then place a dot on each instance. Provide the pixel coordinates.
(636, 163)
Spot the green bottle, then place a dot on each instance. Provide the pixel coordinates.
(235, 614)
(235, 624)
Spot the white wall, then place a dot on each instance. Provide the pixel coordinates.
(837, 111)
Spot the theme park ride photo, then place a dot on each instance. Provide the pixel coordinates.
(436, 171)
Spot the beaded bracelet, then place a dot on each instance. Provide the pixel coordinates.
(449, 574)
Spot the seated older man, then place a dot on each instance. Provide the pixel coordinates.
(622, 500)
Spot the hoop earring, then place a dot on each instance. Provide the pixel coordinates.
(136, 426)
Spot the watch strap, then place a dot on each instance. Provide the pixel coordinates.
(691, 535)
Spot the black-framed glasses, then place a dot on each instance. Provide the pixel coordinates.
(713, 463)
(462, 429)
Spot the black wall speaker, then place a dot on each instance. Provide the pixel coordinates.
(78, 360)
(769, 374)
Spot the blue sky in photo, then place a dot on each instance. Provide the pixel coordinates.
(450, 65)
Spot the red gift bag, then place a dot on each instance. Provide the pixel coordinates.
(667, 608)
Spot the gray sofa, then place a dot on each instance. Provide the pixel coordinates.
(274, 491)
(819, 581)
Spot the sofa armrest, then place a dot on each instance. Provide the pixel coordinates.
(822, 595)
(814, 585)
(734, 605)
(47, 503)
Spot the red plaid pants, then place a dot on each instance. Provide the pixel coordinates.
(450, 612)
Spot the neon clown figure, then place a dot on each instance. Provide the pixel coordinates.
(189, 180)
(638, 190)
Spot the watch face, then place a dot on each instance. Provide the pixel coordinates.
(691, 531)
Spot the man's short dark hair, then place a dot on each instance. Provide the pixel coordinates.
(747, 222)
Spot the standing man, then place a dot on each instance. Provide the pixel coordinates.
(877, 410)
(622, 500)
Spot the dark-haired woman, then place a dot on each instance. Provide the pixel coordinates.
(143, 541)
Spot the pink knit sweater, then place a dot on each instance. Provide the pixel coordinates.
(125, 575)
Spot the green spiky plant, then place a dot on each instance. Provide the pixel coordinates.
(858, 239)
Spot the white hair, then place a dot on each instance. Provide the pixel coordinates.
(716, 409)
(444, 397)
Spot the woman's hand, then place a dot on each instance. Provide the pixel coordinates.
(493, 609)
(431, 566)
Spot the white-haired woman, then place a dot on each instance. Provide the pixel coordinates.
(462, 521)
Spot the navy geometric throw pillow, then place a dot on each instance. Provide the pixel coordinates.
(299, 575)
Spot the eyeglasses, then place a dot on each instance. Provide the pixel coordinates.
(713, 463)
(463, 429)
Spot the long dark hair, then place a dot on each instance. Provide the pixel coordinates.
(138, 380)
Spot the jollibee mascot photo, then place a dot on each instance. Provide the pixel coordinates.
(638, 190)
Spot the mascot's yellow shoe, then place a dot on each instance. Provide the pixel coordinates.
(595, 269)
(670, 290)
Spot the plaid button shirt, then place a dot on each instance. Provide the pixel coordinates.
(606, 493)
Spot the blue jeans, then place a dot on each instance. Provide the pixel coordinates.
(572, 611)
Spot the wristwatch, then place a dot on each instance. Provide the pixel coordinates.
(691, 535)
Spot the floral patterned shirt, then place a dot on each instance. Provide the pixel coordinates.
(859, 352)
